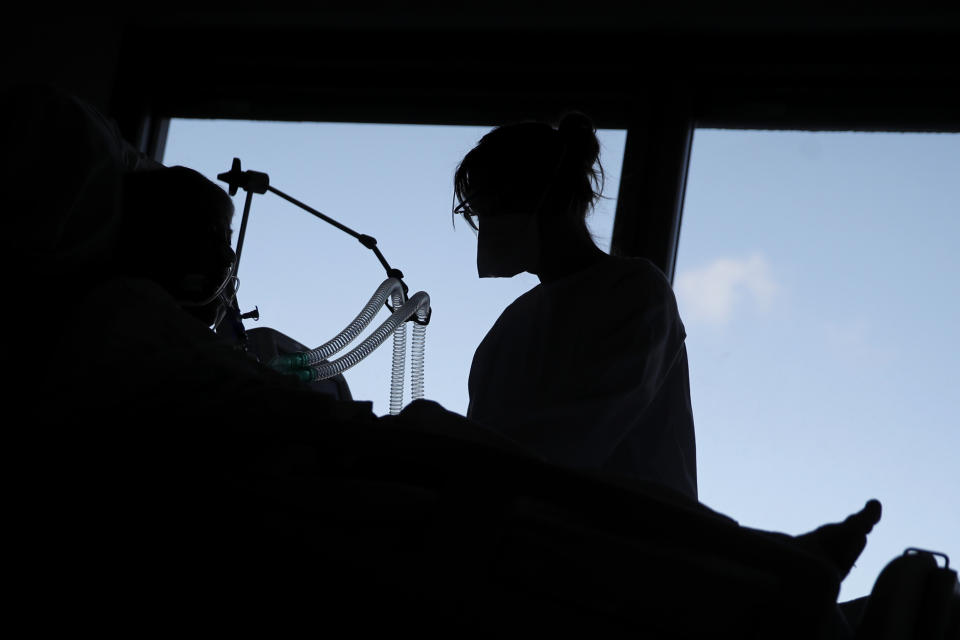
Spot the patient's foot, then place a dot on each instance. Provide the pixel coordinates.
(842, 543)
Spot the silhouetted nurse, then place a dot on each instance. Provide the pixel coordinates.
(588, 369)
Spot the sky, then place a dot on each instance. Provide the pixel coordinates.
(816, 278)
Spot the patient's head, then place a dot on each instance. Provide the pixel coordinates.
(176, 231)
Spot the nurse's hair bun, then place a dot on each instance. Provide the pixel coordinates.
(580, 139)
(581, 150)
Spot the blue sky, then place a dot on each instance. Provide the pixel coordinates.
(818, 280)
(816, 277)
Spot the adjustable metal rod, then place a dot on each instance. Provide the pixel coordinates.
(386, 266)
(243, 231)
(310, 209)
(258, 182)
(368, 241)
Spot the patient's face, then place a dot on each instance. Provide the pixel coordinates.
(198, 268)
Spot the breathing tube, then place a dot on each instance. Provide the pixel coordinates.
(312, 366)
(418, 306)
(399, 360)
(390, 288)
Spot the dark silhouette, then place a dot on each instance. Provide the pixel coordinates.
(175, 230)
(589, 368)
(843, 542)
(171, 475)
(206, 519)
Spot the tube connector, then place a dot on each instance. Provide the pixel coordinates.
(303, 375)
(251, 181)
(396, 273)
(290, 363)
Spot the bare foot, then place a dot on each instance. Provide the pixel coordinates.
(842, 543)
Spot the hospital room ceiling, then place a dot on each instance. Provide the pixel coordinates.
(802, 67)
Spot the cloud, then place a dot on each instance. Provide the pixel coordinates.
(712, 293)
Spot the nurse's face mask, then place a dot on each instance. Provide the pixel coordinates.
(507, 240)
(507, 244)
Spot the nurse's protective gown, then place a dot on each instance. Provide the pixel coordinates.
(590, 371)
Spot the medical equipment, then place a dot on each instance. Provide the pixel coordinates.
(313, 365)
(221, 295)
(913, 597)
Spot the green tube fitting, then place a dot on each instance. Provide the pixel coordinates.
(289, 363)
(304, 375)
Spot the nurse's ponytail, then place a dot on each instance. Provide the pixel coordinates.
(580, 161)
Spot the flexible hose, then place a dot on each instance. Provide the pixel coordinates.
(417, 301)
(417, 349)
(399, 362)
(389, 287)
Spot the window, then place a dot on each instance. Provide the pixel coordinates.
(819, 280)
(392, 182)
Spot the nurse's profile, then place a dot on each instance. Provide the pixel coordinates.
(589, 368)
